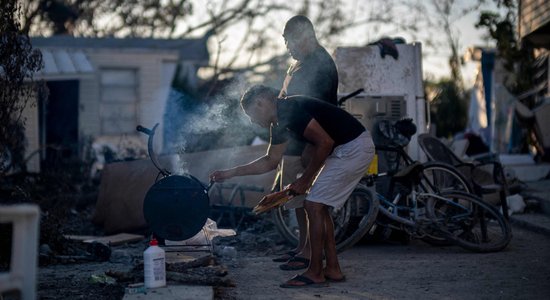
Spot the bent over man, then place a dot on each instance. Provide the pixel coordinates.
(341, 152)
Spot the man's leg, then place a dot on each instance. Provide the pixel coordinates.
(303, 245)
(303, 250)
(317, 234)
(332, 269)
(291, 167)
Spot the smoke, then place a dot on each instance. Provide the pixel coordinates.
(192, 125)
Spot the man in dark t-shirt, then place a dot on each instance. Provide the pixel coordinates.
(313, 74)
(342, 150)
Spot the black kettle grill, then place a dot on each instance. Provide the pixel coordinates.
(175, 207)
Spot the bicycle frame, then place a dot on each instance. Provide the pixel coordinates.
(392, 209)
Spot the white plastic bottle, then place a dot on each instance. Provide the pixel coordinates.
(154, 265)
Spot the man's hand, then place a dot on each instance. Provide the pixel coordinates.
(220, 175)
(300, 186)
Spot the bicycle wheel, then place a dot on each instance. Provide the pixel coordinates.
(351, 222)
(286, 224)
(438, 177)
(469, 222)
(364, 209)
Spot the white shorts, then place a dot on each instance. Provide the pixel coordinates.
(342, 171)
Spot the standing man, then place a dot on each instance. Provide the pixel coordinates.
(341, 152)
(313, 74)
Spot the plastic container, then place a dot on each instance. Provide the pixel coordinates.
(154, 265)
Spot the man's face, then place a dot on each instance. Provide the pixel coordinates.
(258, 114)
(294, 45)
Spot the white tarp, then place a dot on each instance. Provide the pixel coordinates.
(477, 113)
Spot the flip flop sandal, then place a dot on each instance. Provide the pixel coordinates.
(303, 264)
(288, 255)
(306, 282)
(329, 279)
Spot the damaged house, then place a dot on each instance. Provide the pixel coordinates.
(100, 88)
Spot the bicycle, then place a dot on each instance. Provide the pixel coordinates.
(355, 219)
(461, 218)
(436, 177)
(351, 222)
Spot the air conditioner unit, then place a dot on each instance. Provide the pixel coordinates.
(369, 109)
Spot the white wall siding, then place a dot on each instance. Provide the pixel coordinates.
(151, 94)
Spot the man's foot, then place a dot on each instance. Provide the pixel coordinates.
(285, 257)
(334, 276)
(295, 263)
(300, 281)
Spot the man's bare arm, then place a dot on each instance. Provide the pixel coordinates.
(261, 165)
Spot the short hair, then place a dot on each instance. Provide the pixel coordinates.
(299, 24)
(255, 92)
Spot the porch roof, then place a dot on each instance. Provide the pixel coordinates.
(60, 64)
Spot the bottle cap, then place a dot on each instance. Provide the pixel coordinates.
(153, 242)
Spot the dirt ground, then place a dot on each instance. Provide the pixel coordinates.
(414, 271)
(373, 271)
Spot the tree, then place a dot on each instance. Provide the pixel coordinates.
(450, 101)
(518, 59)
(245, 35)
(517, 56)
(18, 63)
(449, 110)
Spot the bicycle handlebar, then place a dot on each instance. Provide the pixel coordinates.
(351, 95)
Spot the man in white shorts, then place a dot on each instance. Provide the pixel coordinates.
(342, 151)
(312, 74)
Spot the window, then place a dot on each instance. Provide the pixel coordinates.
(119, 100)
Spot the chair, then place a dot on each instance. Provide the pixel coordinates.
(487, 178)
(20, 279)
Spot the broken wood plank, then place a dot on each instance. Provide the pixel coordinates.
(111, 240)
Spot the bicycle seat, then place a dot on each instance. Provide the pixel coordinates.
(409, 173)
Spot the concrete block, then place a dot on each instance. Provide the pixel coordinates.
(180, 292)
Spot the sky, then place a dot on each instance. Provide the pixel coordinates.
(469, 36)
(435, 58)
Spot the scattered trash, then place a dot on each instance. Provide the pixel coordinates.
(135, 288)
(99, 251)
(204, 237)
(102, 278)
(516, 205)
(229, 252)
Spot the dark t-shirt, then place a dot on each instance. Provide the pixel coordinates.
(294, 114)
(314, 76)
